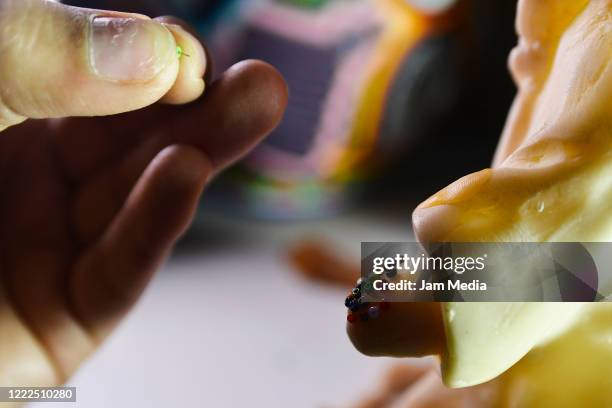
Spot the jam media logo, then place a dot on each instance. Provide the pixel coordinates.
(504, 272)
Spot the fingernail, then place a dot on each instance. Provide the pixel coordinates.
(129, 49)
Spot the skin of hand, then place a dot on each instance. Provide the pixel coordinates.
(91, 207)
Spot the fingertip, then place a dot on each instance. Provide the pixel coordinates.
(265, 88)
(186, 89)
(189, 84)
(240, 109)
(208, 74)
(66, 56)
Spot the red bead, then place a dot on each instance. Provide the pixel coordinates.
(384, 306)
(351, 317)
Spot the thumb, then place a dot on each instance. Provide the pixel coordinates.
(57, 61)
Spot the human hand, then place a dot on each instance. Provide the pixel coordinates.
(91, 207)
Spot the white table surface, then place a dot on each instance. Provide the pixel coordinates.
(228, 323)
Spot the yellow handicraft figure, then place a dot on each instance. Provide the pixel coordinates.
(551, 182)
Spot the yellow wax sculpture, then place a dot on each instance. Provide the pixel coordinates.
(551, 181)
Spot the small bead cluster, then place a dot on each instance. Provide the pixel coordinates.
(363, 311)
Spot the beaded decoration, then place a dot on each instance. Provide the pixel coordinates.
(360, 310)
